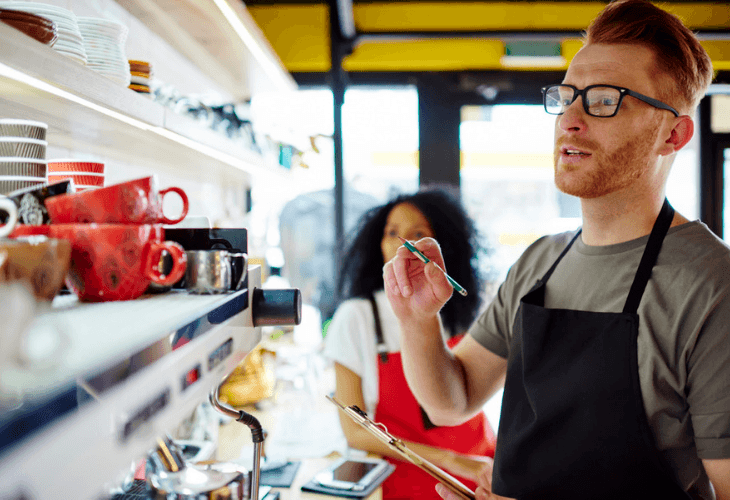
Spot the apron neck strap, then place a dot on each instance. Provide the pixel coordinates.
(382, 348)
(649, 258)
(549, 273)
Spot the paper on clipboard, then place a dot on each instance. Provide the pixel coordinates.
(382, 434)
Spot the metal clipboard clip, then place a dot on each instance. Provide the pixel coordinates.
(382, 434)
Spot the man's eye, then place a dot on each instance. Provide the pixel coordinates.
(392, 233)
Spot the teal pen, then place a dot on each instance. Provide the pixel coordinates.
(426, 260)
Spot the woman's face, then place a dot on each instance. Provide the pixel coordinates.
(406, 221)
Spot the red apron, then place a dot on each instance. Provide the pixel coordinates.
(399, 411)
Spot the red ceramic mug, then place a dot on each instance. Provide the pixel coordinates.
(117, 261)
(133, 202)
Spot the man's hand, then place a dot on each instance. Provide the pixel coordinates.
(484, 486)
(416, 290)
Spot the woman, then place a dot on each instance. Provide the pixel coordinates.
(363, 340)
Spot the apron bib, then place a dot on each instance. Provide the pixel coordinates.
(573, 424)
(399, 411)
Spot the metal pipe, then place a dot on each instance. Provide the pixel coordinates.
(346, 18)
(257, 435)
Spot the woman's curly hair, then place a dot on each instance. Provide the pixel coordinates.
(361, 271)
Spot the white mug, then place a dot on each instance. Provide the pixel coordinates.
(8, 206)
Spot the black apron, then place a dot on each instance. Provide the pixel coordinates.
(573, 424)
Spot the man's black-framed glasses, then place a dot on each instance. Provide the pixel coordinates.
(602, 101)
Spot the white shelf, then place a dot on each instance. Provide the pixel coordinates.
(90, 113)
(221, 38)
(125, 356)
(87, 451)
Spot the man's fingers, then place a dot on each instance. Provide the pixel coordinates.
(389, 279)
(400, 264)
(441, 286)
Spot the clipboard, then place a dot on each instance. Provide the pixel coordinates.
(382, 434)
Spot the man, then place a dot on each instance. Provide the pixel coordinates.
(611, 342)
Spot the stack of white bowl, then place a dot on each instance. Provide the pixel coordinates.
(69, 42)
(104, 43)
(22, 154)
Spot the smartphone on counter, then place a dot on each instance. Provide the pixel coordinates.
(352, 474)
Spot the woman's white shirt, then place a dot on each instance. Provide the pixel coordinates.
(351, 341)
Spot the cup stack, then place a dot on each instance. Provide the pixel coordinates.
(141, 74)
(22, 154)
(85, 174)
(117, 238)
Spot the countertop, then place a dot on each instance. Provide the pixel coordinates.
(298, 407)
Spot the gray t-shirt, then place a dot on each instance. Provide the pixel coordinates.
(684, 330)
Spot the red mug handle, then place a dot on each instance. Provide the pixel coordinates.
(184, 198)
(179, 262)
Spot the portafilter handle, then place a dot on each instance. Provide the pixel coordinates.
(257, 435)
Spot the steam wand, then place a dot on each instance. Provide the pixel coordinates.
(257, 435)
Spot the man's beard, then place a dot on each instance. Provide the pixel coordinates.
(609, 172)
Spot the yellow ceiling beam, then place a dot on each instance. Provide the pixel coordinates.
(506, 16)
(299, 33)
(719, 52)
(473, 16)
(426, 55)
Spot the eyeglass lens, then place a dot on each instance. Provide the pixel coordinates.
(599, 101)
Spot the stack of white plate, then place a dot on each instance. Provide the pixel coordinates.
(69, 42)
(22, 154)
(104, 43)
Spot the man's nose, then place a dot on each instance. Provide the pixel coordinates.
(573, 118)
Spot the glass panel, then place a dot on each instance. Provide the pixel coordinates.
(507, 180)
(720, 114)
(683, 185)
(292, 222)
(380, 135)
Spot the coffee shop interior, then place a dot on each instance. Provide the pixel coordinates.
(191, 170)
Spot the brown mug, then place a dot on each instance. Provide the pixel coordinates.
(117, 261)
(133, 202)
(37, 261)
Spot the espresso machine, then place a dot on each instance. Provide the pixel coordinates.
(127, 374)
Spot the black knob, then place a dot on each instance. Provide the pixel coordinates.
(276, 307)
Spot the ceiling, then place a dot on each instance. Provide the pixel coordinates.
(446, 36)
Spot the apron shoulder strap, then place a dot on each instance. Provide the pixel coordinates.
(383, 354)
(549, 272)
(649, 258)
(382, 348)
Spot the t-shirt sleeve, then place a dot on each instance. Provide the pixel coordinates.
(346, 335)
(709, 384)
(492, 327)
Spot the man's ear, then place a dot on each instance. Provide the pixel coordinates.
(679, 135)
